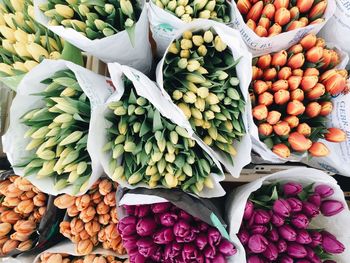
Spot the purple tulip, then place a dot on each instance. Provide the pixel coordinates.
(146, 226)
(219, 258)
(315, 199)
(316, 238)
(324, 190)
(157, 255)
(261, 217)
(303, 237)
(146, 247)
(281, 246)
(243, 236)
(258, 229)
(185, 216)
(277, 220)
(209, 252)
(142, 210)
(248, 210)
(311, 255)
(257, 243)
(227, 248)
(172, 250)
(190, 237)
(330, 244)
(300, 221)
(214, 236)
(201, 241)
(182, 228)
(281, 207)
(129, 242)
(202, 226)
(168, 218)
(287, 233)
(271, 252)
(310, 210)
(189, 253)
(137, 258)
(254, 259)
(331, 207)
(160, 207)
(292, 189)
(129, 209)
(200, 258)
(163, 236)
(295, 204)
(296, 250)
(127, 225)
(286, 259)
(272, 235)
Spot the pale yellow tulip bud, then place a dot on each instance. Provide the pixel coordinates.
(64, 11)
(30, 64)
(6, 69)
(6, 44)
(37, 51)
(8, 33)
(19, 66)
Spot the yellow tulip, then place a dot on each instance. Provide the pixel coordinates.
(19, 66)
(6, 44)
(64, 11)
(52, 42)
(54, 55)
(21, 49)
(18, 5)
(37, 51)
(8, 33)
(9, 20)
(21, 36)
(30, 10)
(6, 69)
(29, 64)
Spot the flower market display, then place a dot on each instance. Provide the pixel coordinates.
(162, 232)
(92, 218)
(65, 258)
(291, 95)
(277, 224)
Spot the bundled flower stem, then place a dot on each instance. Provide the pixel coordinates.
(22, 208)
(188, 10)
(92, 218)
(277, 224)
(268, 19)
(162, 232)
(24, 42)
(66, 258)
(154, 150)
(199, 73)
(59, 132)
(291, 97)
(94, 19)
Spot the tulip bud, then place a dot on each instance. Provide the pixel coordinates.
(292, 188)
(304, 129)
(271, 252)
(281, 208)
(269, 11)
(282, 16)
(293, 121)
(317, 10)
(331, 207)
(295, 108)
(257, 243)
(310, 210)
(294, 82)
(303, 237)
(251, 24)
(297, 48)
(296, 250)
(335, 84)
(260, 31)
(279, 58)
(274, 30)
(265, 129)
(298, 142)
(287, 233)
(295, 25)
(314, 54)
(5, 228)
(255, 11)
(313, 109)
(284, 73)
(9, 246)
(265, 23)
(269, 74)
(243, 6)
(264, 61)
(258, 229)
(265, 98)
(279, 85)
(300, 221)
(281, 150)
(260, 112)
(330, 244)
(277, 220)
(324, 190)
(297, 94)
(281, 3)
(273, 117)
(308, 41)
(304, 6)
(254, 259)
(326, 108)
(296, 61)
(316, 92)
(257, 73)
(281, 97)
(281, 128)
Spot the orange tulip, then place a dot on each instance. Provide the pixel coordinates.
(260, 31)
(298, 72)
(297, 94)
(318, 149)
(255, 11)
(313, 109)
(343, 73)
(281, 128)
(320, 42)
(264, 22)
(85, 247)
(251, 24)
(304, 21)
(256, 73)
(281, 150)
(279, 58)
(296, 61)
(282, 16)
(298, 142)
(294, 12)
(327, 75)
(281, 97)
(295, 25)
(326, 58)
(265, 129)
(269, 74)
(308, 82)
(335, 135)
(318, 10)
(316, 92)
(284, 73)
(9, 246)
(281, 3)
(269, 11)
(260, 112)
(295, 108)
(260, 86)
(265, 98)
(275, 29)
(280, 85)
(311, 72)
(293, 121)
(326, 108)
(317, 21)
(335, 85)
(314, 54)
(294, 82)
(297, 48)
(243, 6)
(264, 61)
(304, 5)
(273, 117)
(308, 41)
(304, 129)
(335, 60)
(269, 84)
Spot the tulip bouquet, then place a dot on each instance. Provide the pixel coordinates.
(199, 72)
(25, 219)
(162, 232)
(277, 224)
(291, 93)
(24, 42)
(66, 258)
(92, 218)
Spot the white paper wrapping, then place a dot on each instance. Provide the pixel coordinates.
(146, 88)
(94, 86)
(115, 48)
(244, 72)
(237, 200)
(264, 45)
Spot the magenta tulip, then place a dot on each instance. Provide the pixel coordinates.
(296, 250)
(258, 229)
(189, 238)
(300, 221)
(168, 219)
(277, 220)
(287, 233)
(214, 236)
(129, 209)
(257, 243)
(330, 244)
(129, 242)
(157, 255)
(243, 236)
(182, 228)
(281, 207)
(261, 217)
(310, 209)
(255, 259)
(324, 190)
(219, 258)
(185, 216)
(292, 189)
(142, 210)
(248, 210)
(227, 248)
(303, 237)
(272, 235)
(136, 257)
(160, 207)
(202, 226)
(146, 247)
(311, 255)
(163, 236)
(316, 238)
(281, 246)
(201, 241)
(172, 250)
(331, 207)
(295, 204)
(146, 226)
(189, 253)
(315, 199)
(127, 225)
(271, 252)
(286, 259)
(209, 252)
